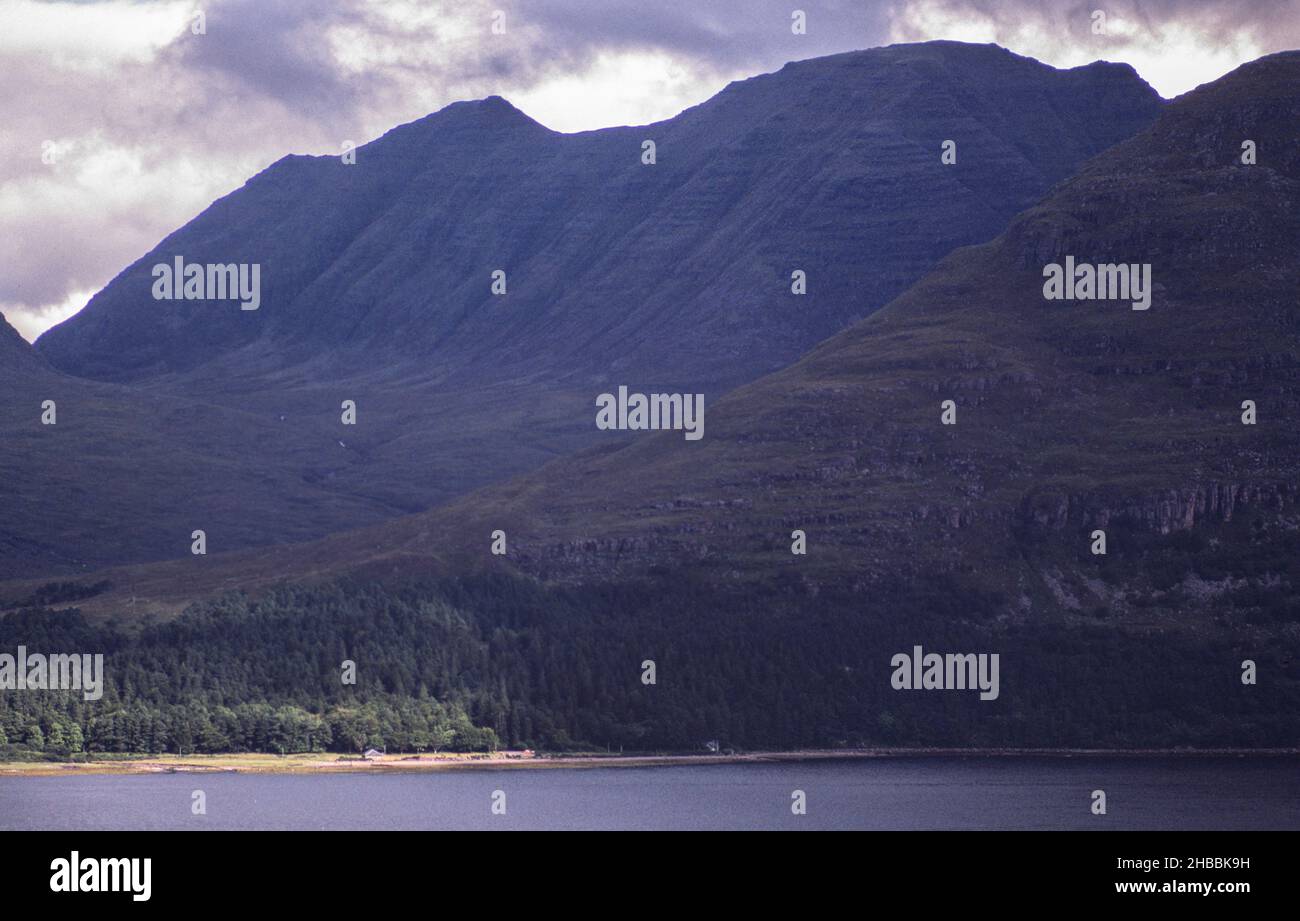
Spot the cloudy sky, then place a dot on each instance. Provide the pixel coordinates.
(122, 119)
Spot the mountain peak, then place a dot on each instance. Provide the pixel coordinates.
(1213, 123)
(489, 111)
(491, 115)
(945, 72)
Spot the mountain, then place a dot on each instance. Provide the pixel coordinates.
(677, 270)
(375, 277)
(1072, 416)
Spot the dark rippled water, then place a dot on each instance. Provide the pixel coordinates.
(895, 793)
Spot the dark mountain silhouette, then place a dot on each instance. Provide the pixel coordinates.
(376, 283)
(1072, 416)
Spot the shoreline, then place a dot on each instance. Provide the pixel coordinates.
(325, 763)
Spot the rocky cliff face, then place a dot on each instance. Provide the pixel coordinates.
(1165, 511)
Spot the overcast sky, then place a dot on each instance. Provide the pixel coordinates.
(118, 123)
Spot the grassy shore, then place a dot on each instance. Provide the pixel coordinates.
(322, 763)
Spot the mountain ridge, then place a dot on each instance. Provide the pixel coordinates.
(731, 115)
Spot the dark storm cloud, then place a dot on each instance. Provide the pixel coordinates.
(277, 51)
(725, 35)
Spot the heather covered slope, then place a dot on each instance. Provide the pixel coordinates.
(376, 286)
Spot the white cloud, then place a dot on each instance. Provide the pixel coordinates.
(31, 322)
(90, 36)
(632, 88)
(1176, 45)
